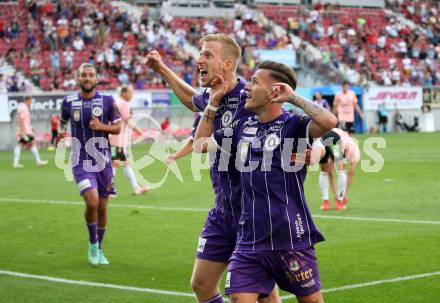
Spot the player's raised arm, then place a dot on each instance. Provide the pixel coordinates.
(322, 119)
(183, 90)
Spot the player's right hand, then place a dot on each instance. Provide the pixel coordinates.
(154, 60)
(219, 88)
(281, 92)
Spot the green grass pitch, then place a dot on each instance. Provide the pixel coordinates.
(152, 247)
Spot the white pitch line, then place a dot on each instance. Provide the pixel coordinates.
(373, 283)
(111, 205)
(205, 210)
(184, 294)
(96, 284)
(375, 219)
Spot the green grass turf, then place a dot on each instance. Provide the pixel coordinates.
(153, 248)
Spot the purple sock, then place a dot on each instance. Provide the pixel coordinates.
(101, 232)
(93, 235)
(216, 299)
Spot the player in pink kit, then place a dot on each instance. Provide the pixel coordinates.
(119, 142)
(340, 149)
(25, 133)
(344, 106)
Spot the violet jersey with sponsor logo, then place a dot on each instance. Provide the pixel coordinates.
(93, 143)
(275, 215)
(229, 116)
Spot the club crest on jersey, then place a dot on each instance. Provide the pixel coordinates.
(244, 148)
(76, 115)
(294, 265)
(97, 111)
(272, 142)
(227, 118)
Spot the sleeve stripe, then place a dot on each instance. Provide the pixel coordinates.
(195, 105)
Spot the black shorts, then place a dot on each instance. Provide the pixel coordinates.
(118, 153)
(347, 126)
(383, 119)
(26, 139)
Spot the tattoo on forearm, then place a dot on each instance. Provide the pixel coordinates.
(208, 118)
(309, 107)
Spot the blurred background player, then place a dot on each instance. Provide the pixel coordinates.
(382, 115)
(187, 148)
(93, 116)
(119, 141)
(340, 149)
(321, 101)
(54, 123)
(25, 134)
(344, 105)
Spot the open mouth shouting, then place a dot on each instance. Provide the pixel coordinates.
(203, 74)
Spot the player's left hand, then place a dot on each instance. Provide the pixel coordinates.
(281, 92)
(95, 124)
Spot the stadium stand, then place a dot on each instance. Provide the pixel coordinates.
(395, 45)
(378, 44)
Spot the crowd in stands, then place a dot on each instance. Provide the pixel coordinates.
(50, 41)
(398, 45)
(366, 44)
(14, 84)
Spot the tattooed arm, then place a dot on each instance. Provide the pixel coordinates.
(322, 119)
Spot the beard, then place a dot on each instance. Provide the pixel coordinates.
(86, 89)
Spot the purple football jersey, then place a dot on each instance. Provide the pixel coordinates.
(91, 148)
(230, 115)
(275, 215)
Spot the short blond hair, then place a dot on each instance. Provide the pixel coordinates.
(231, 50)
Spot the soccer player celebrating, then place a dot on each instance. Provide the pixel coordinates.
(220, 54)
(277, 235)
(344, 105)
(119, 141)
(340, 149)
(25, 134)
(93, 116)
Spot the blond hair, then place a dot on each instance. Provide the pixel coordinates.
(231, 48)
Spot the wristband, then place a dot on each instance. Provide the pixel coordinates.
(212, 108)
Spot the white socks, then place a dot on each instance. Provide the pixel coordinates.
(34, 150)
(342, 183)
(17, 152)
(131, 177)
(324, 184)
